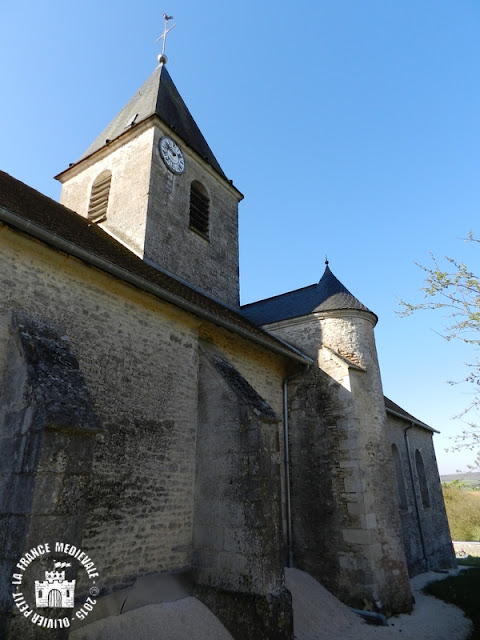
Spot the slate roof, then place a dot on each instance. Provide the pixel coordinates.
(328, 294)
(158, 96)
(390, 406)
(51, 222)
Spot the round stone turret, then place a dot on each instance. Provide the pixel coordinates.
(346, 523)
(346, 326)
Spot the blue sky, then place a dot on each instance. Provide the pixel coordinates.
(352, 128)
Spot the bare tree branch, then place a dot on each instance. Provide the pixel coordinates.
(455, 289)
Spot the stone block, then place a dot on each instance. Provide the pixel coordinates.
(373, 552)
(353, 484)
(357, 536)
(356, 508)
(369, 521)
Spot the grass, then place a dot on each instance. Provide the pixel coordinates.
(471, 561)
(462, 590)
(463, 511)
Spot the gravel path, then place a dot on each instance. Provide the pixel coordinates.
(317, 616)
(320, 616)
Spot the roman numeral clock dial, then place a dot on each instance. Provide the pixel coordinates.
(172, 155)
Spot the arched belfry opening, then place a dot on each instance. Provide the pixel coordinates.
(199, 208)
(98, 205)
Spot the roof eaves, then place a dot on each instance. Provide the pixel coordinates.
(108, 143)
(411, 420)
(40, 233)
(174, 135)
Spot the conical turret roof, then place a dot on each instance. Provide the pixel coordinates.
(329, 294)
(158, 96)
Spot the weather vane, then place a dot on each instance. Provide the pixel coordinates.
(162, 58)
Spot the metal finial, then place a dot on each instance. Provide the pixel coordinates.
(162, 58)
(326, 261)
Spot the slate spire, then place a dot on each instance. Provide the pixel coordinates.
(332, 295)
(159, 97)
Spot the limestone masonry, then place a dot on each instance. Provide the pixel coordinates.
(185, 443)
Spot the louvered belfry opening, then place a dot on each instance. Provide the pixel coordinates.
(97, 209)
(199, 208)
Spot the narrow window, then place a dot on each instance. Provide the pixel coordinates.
(422, 479)
(199, 208)
(97, 209)
(399, 478)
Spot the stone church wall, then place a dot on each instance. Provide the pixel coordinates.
(139, 359)
(436, 550)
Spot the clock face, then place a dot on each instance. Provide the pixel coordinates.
(172, 155)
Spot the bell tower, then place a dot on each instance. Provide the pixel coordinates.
(152, 182)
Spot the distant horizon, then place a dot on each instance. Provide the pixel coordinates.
(468, 474)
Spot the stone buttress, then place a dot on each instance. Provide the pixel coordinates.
(237, 541)
(46, 448)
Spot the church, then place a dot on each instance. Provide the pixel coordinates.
(182, 440)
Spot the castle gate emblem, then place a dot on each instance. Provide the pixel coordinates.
(55, 591)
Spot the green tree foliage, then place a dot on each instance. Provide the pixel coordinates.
(463, 510)
(454, 289)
